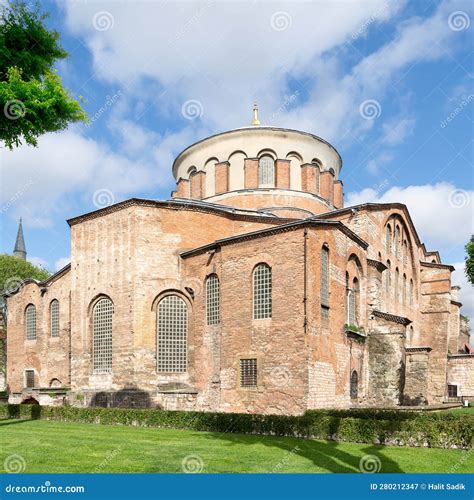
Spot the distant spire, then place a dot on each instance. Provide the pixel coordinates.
(255, 121)
(20, 249)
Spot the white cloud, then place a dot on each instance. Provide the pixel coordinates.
(397, 130)
(442, 214)
(466, 294)
(61, 262)
(38, 261)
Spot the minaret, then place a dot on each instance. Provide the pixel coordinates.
(20, 249)
(255, 121)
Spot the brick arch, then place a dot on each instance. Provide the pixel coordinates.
(96, 299)
(267, 152)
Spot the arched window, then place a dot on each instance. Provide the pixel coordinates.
(412, 298)
(212, 300)
(354, 385)
(54, 318)
(262, 292)
(325, 282)
(266, 172)
(388, 278)
(317, 173)
(172, 326)
(102, 335)
(30, 322)
(404, 290)
(397, 241)
(388, 238)
(397, 284)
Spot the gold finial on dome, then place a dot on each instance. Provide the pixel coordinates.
(255, 121)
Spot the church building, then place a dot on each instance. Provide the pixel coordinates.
(252, 289)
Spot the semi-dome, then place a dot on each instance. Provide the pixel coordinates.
(262, 167)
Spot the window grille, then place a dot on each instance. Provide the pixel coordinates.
(351, 304)
(388, 239)
(213, 300)
(30, 379)
(354, 390)
(102, 336)
(266, 171)
(172, 335)
(248, 373)
(325, 282)
(262, 292)
(30, 320)
(452, 391)
(54, 311)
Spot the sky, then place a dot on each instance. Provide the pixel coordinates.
(389, 84)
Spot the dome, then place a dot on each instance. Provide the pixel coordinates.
(262, 167)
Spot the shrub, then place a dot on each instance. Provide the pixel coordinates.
(405, 428)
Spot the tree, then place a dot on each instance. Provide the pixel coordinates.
(13, 271)
(33, 100)
(470, 260)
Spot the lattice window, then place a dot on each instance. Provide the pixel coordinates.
(452, 391)
(172, 335)
(325, 282)
(266, 171)
(248, 372)
(30, 379)
(213, 300)
(30, 322)
(388, 239)
(102, 336)
(54, 315)
(262, 292)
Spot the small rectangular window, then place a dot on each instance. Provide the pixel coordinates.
(452, 391)
(248, 372)
(30, 378)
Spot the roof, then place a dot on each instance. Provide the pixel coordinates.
(255, 128)
(313, 221)
(436, 265)
(180, 204)
(391, 317)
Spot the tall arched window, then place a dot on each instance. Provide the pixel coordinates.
(212, 300)
(172, 326)
(404, 289)
(262, 292)
(325, 282)
(388, 278)
(388, 238)
(354, 385)
(266, 172)
(317, 173)
(397, 284)
(102, 335)
(412, 296)
(30, 322)
(397, 241)
(54, 318)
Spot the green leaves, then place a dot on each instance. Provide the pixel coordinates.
(14, 270)
(470, 260)
(33, 100)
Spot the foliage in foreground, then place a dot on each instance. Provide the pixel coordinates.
(368, 426)
(14, 270)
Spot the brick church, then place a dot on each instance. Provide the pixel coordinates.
(252, 289)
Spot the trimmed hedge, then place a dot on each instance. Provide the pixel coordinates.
(401, 428)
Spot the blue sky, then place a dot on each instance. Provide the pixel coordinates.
(389, 84)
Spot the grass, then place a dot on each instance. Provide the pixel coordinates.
(469, 410)
(48, 446)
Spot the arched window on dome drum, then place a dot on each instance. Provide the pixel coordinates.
(172, 333)
(266, 172)
(262, 292)
(317, 174)
(54, 318)
(354, 385)
(212, 300)
(388, 238)
(324, 282)
(30, 322)
(102, 335)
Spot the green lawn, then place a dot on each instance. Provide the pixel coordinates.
(463, 410)
(65, 447)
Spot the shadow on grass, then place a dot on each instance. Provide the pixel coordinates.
(327, 456)
(5, 422)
